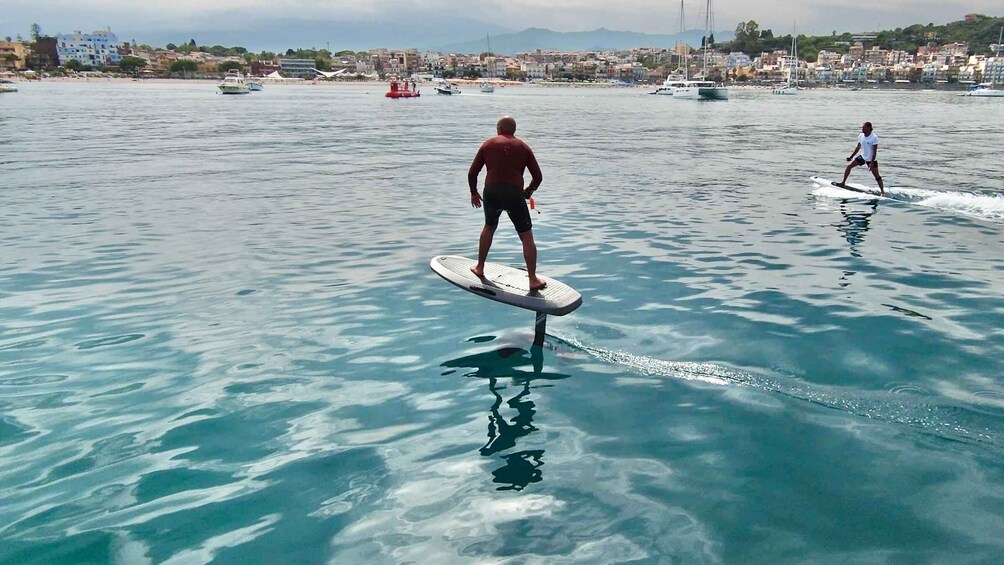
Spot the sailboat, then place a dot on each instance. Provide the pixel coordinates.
(702, 89)
(792, 88)
(988, 89)
(673, 81)
(487, 86)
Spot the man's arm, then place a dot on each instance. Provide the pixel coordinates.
(472, 176)
(856, 149)
(475, 170)
(535, 175)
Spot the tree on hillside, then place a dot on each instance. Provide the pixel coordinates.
(184, 66)
(191, 43)
(73, 65)
(170, 47)
(130, 64)
(36, 32)
(748, 37)
(227, 66)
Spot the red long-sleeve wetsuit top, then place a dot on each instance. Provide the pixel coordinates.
(506, 157)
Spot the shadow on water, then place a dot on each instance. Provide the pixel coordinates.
(509, 365)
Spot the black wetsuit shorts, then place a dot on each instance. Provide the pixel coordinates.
(506, 197)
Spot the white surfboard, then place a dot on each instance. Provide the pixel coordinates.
(508, 285)
(859, 188)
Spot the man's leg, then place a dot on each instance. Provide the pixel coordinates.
(530, 256)
(484, 244)
(847, 171)
(878, 178)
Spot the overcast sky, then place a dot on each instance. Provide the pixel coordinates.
(132, 18)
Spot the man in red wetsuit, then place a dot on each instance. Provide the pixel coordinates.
(506, 157)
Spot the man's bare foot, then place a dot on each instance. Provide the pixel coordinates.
(478, 271)
(537, 284)
(840, 184)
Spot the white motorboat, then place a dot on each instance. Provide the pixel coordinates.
(985, 90)
(7, 86)
(487, 87)
(448, 88)
(233, 83)
(254, 85)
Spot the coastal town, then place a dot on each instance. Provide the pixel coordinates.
(849, 59)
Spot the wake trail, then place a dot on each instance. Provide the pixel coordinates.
(986, 206)
(951, 422)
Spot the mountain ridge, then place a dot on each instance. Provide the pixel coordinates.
(600, 39)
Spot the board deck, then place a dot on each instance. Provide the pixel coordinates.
(508, 285)
(850, 186)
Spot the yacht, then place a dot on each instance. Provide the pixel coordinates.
(7, 86)
(233, 83)
(487, 87)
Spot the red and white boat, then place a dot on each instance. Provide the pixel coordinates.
(402, 89)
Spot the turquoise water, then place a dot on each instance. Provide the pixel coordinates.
(220, 340)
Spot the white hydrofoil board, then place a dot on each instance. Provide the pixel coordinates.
(508, 285)
(852, 187)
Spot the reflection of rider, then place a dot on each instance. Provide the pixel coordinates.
(522, 467)
(502, 434)
(854, 226)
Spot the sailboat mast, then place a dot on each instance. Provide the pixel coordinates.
(1000, 37)
(707, 39)
(794, 57)
(686, 47)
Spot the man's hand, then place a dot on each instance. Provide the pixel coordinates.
(527, 193)
(849, 158)
(475, 199)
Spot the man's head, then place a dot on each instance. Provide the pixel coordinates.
(866, 128)
(506, 125)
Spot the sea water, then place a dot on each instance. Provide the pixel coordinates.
(220, 340)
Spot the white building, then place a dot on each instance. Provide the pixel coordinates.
(738, 59)
(994, 71)
(533, 70)
(93, 49)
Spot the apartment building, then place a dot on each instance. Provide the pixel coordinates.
(89, 49)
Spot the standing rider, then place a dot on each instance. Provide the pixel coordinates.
(868, 145)
(506, 157)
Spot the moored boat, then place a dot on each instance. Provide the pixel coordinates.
(233, 83)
